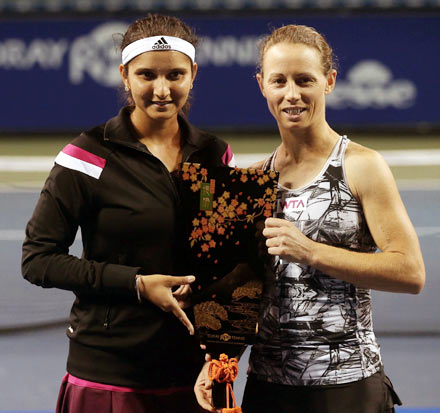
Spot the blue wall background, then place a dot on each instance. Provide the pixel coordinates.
(63, 74)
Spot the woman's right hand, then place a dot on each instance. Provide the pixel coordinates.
(157, 288)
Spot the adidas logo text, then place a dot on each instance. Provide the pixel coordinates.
(161, 44)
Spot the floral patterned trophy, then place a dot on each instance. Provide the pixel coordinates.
(224, 209)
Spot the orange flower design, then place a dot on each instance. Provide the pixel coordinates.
(267, 213)
(229, 209)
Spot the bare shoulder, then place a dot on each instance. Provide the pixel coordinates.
(366, 169)
(258, 164)
(359, 159)
(359, 153)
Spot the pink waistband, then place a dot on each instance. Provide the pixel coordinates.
(109, 387)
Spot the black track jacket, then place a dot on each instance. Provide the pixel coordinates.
(126, 204)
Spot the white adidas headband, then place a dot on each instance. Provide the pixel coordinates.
(155, 43)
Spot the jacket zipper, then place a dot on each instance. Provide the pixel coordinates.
(167, 172)
(107, 318)
(109, 299)
(170, 178)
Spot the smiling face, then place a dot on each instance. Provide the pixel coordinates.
(294, 84)
(159, 82)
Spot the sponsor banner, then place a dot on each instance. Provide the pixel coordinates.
(141, 6)
(63, 74)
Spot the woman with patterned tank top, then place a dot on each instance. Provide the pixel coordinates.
(332, 241)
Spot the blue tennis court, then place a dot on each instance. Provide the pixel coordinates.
(33, 345)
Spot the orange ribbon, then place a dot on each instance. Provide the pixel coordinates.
(225, 370)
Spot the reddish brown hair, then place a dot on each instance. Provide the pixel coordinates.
(303, 35)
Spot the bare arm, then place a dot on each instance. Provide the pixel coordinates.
(398, 267)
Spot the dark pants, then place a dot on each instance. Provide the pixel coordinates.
(372, 395)
(77, 399)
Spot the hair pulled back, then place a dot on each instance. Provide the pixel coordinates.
(301, 35)
(155, 24)
(158, 25)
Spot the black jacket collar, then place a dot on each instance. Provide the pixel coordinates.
(120, 130)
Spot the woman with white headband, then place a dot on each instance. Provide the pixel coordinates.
(131, 343)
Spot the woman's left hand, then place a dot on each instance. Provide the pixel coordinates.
(285, 240)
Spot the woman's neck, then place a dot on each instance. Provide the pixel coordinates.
(163, 132)
(300, 145)
(302, 154)
(162, 139)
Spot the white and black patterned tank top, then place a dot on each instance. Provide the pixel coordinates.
(315, 329)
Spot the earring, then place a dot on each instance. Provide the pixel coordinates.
(127, 89)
